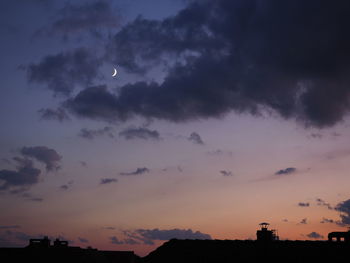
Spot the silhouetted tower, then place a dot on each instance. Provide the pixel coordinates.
(266, 235)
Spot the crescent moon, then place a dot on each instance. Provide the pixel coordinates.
(114, 73)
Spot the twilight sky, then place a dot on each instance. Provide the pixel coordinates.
(223, 114)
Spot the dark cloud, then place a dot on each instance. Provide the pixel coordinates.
(140, 133)
(116, 241)
(134, 235)
(82, 163)
(303, 221)
(344, 209)
(137, 172)
(24, 176)
(148, 236)
(83, 240)
(321, 202)
(157, 234)
(226, 173)
(303, 204)
(29, 197)
(326, 220)
(222, 56)
(11, 238)
(128, 240)
(43, 154)
(314, 235)
(316, 135)
(66, 186)
(96, 103)
(63, 72)
(108, 180)
(195, 138)
(92, 17)
(91, 134)
(9, 227)
(286, 171)
(131, 241)
(51, 114)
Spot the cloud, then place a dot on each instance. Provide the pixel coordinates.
(45, 155)
(314, 235)
(195, 138)
(66, 186)
(116, 241)
(51, 114)
(91, 134)
(82, 163)
(109, 228)
(226, 173)
(29, 197)
(326, 220)
(96, 102)
(108, 180)
(140, 133)
(91, 17)
(166, 234)
(128, 240)
(65, 71)
(83, 240)
(303, 221)
(9, 227)
(252, 58)
(344, 209)
(321, 202)
(286, 171)
(137, 172)
(24, 176)
(148, 236)
(11, 238)
(316, 135)
(303, 204)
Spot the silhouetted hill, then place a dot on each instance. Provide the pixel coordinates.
(248, 251)
(65, 255)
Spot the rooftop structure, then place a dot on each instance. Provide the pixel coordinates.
(266, 235)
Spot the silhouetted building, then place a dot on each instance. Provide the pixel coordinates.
(266, 235)
(39, 243)
(60, 244)
(46, 243)
(339, 236)
(42, 250)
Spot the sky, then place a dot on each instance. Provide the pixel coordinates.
(223, 114)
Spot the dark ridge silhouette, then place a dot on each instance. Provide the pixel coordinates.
(222, 251)
(41, 250)
(267, 248)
